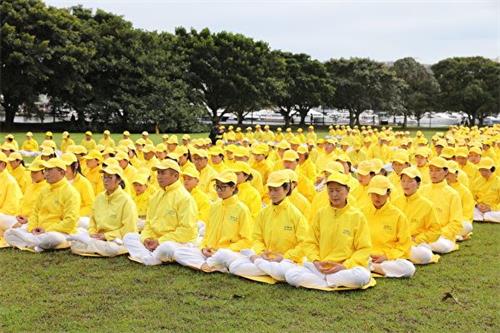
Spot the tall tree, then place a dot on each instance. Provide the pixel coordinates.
(363, 84)
(471, 85)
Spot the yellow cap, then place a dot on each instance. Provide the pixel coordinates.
(448, 152)
(302, 150)
(29, 134)
(214, 151)
(292, 175)
(412, 172)
(453, 167)
(93, 154)
(364, 168)
(242, 167)
(343, 158)
(173, 140)
(260, 149)
(167, 164)
(15, 156)
(140, 141)
(126, 133)
(47, 151)
(89, 133)
(200, 152)
(277, 178)
(107, 132)
(122, 156)
(8, 146)
(49, 133)
(113, 170)
(191, 172)
(461, 152)
(3, 157)
(181, 150)
(476, 150)
(379, 185)
(486, 163)
(226, 176)
(422, 151)
(145, 133)
(333, 166)
(290, 155)
(401, 156)
(148, 149)
(54, 163)
(283, 145)
(338, 177)
(69, 158)
(110, 161)
(36, 166)
(295, 141)
(140, 178)
(438, 162)
(186, 137)
(241, 152)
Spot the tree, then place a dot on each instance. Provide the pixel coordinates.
(226, 70)
(41, 54)
(471, 85)
(421, 89)
(363, 84)
(300, 85)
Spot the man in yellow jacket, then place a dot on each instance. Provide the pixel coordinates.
(486, 191)
(170, 220)
(424, 226)
(55, 215)
(228, 230)
(447, 204)
(338, 245)
(29, 146)
(390, 232)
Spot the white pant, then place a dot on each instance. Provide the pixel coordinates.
(28, 153)
(277, 270)
(466, 228)
(82, 243)
(399, 268)
(22, 238)
(421, 254)
(493, 216)
(7, 221)
(84, 222)
(442, 245)
(163, 253)
(140, 224)
(201, 229)
(193, 257)
(308, 276)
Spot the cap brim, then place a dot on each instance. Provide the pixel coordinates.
(379, 191)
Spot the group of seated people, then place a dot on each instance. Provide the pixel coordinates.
(321, 214)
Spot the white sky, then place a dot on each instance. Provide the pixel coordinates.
(382, 30)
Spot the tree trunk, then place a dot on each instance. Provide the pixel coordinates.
(239, 114)
(11, 107)
(356, 115)
(303, 115)
(351, 117)
(405, 120)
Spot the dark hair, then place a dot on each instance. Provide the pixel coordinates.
(288, 188)
(492, 169)
(75, 167)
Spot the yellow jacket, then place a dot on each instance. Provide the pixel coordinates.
(466, 199)
(206, 184)
(250, 197)
(471, 170)
(362, 196)
(89, 144)
(421, 214)
(308, 170)
(22, 177)
(171, 215)
(339, 235)
(56, 209)
(264, 168)
(487, 191)
(113, 215)
(95, 178)
(302, 204)
(65, 143)
(426, 178)
(306, 188)
(229, 226)
(108, 142)
(448, 208)
(390, 231)
(281, 228)
(30, 145)
(321, 200)
(202, 203)
(30, 198)
(10, 194)
(87, 196)
(142, 201)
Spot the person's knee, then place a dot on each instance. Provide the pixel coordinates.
(361, 276)
(420, 255)
(293, 277)
(407, 268)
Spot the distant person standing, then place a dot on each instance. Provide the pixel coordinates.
(215, 133)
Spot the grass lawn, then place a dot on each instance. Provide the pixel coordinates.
(58, 292)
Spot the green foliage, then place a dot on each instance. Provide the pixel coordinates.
(469, 84)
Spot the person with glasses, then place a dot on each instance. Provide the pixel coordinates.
(113, 215)
(228, 230)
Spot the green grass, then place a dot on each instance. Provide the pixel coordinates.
(57, 291)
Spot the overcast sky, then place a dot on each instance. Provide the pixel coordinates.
(382, 30)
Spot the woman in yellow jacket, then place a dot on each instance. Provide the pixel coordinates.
(18, 170)
(246, 192)
(228, 230)
(190, 178)
(279, 234)
(113, 216)
(466, 198)
(420, 212)
(390, 232)
(338, 247)
(82, 185)
(296, 198)
(10, 196)
(141, 194)
(447, 204)
(486, 191)
(92, 172)
(30, 146)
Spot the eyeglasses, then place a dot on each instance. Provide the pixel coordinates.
(221, 188)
